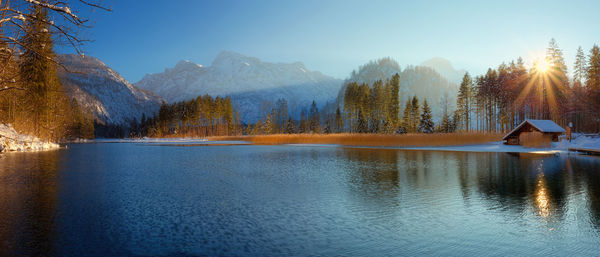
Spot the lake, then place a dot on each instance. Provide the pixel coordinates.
(140, 199)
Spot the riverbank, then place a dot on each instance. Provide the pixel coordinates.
(456, 142)
(378, 140)
(12, 141)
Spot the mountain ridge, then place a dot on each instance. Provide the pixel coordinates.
(109, 97)
(445, 68)
(234, 74)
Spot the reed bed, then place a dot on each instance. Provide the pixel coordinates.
(399, 140)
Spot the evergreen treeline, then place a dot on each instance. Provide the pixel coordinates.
(33, 100)
(372, 109)
(200, 117)
(277, 120)
(505, 96)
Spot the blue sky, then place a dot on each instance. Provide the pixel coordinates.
(334, 37)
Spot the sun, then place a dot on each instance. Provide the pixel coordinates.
(542, 65)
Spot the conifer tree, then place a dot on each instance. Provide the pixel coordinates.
(40, 79)
(446, 124)
(11, 92)
(414, 114)
(579, 69)
(559, 83)
(394, 104)
(406, 120)
(426, 124)
(593, 79)
(314, 118)
(339, 121)
(290, 128)
(593, 69)
(464, 102)
(362, 126)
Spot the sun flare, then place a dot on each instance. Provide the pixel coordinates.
(542, 65)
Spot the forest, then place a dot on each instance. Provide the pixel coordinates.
(505, 96)
(201, 117)
(496, 101)
(31, 96)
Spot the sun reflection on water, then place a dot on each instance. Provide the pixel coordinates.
(542, 198)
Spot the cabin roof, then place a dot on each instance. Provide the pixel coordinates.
(544, 126)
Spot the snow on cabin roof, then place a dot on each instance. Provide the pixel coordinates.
(545, 126)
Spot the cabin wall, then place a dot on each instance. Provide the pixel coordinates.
(533, 135)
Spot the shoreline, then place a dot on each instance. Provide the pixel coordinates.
(464, 142)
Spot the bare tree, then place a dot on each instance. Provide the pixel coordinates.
(64, 22)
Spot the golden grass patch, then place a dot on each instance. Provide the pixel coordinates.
(404, 140)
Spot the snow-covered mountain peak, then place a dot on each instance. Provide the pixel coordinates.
(104, 92)
(228, 60)
(248, 80)
(187, 65)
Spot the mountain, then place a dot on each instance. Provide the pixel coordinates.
(251, 83)
(445, 68)
(103, 92)
(420, 81)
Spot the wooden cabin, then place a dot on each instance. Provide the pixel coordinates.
(548, 128)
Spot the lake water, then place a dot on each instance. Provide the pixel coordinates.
(135, 199)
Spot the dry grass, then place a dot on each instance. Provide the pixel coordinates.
(535, 139)
(369, 139)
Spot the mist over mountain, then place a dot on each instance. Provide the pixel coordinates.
(105, 93)
(423, 82)
(445, 68)
(251, 83)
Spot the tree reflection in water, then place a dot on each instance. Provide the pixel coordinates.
(516, 183)
(28, 199)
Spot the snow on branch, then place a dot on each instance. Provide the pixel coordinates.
(16, 17)
(63, 9)
(13, 17)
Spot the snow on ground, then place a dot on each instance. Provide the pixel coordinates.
(11, 140)
(165, 141)
(563, 146)
(579, 141)
(494, 147)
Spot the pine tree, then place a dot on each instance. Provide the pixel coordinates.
(593, 80)
(304, 125)
(559, 83)
(593, 69)
(314, 118)
(339, 121)
(446, 125)
(378, 107)
(414, 114)
(426, 124)
(362, 125)
(406, 120)
(579, 69)
(10, 100)
(464, 101)
(267, 126)
(351, 105)
(290, 128)
(39, 75)
(394, 104)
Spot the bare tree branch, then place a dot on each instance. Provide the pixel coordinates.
(10, 88)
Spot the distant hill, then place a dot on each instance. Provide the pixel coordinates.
(445, 68)
(104, 93)
(424, 82)
(251, 83)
